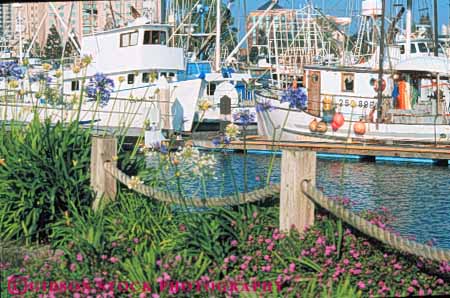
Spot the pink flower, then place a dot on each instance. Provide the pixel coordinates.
(267, 257)
(233, 258)
(414, 283)
(244, 266)
(73, 267)
(346, 262)
(79, 257)
(155, 295)
(113, 244)
(291, 267)
(136, 240)
(361, 285)
(26, 258)
(234, 243)
(270, 247)
(397, 266)
(76, 295)
(257, 178)
(320, 240)
(421, 292)
(255, 214)
(104, 257)
(142, 295)
(410, 290)
(113, 260)
(178, 258)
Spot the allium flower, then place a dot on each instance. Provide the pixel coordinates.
(204, 105)
(296, 97)
(11, 70)
(232, 131)
(134, 182)
(46, 66)
(100, 87)
(244, 117)
(264, 105)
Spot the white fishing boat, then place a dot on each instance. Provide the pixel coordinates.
(352, 92)
(344, 102)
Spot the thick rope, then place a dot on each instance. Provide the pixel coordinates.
(241, 198)
(373, 231)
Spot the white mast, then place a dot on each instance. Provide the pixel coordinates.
(19, 27)
(244, 39)
(408, 27)
(218, 33)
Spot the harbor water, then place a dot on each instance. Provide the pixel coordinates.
(416, 194)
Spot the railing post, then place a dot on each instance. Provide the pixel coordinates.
(296, 210)
(105, 186)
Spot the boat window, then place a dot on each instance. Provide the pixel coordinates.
(413, 48)
(211, 88)
(130, 78)
(128, 39)
(402, 49)
(75, 85)
(163, 74)
(145, 77)
(155, 37)
(348, 84)
(422, 47)
(171, 74)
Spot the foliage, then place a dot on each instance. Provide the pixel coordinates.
(53, 47)
(136, 239)
(45, 168)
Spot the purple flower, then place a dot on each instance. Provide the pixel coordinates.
(296, 97)
(11, 70)
(264, 105)
(244, 117)
(100, 87)
(216, 141)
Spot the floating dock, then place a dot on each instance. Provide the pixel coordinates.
(440, 154)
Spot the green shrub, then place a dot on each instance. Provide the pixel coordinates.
(44, 167)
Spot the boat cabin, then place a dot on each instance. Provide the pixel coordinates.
(409, 91)
(138, 52)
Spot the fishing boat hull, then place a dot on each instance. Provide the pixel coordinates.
(285, 124)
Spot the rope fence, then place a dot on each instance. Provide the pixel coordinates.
(232, 200)
(290, 191)
(372, 230)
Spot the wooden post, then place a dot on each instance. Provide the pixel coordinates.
(105, 186)
(295, 208)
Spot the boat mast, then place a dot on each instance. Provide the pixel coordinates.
(408, 27)
(436, 29)
(218, 33)
(380, 62)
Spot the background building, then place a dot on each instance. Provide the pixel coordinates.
(81, 18)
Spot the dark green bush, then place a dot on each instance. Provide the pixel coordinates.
(44, 166)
